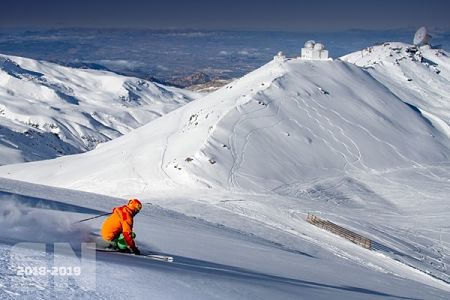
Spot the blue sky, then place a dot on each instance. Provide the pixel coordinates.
(287, 15)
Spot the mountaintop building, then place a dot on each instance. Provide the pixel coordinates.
(314, 51)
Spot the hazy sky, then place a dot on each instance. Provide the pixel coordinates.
(227, 14)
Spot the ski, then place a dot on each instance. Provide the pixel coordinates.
(158, 257)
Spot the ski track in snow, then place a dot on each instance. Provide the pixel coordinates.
(368, 132)
(357, 156)
(241, 158)
(232, 181)
(319, 123)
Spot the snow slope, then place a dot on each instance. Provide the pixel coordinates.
(212, 261)
(418, 76)
(47, 110)
(289, 138)
(287, 122)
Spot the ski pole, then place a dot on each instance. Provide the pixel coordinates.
(91, 218)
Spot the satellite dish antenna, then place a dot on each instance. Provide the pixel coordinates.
(422, 37)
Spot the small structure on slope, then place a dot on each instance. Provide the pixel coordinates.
(280, 56)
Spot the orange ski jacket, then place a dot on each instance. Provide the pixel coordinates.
(120, 221)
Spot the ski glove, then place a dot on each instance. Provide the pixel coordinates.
(128, 237)
(136, 251)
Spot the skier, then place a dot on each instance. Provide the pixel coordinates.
(117, 229)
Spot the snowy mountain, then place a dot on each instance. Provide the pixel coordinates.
(285, 123)
(47, 110)
(250, 160)
(418, 76)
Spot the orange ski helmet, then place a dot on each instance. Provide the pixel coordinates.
(135, 205)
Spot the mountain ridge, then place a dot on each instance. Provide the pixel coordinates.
(270, 115)
(420, 76)
(61, 110)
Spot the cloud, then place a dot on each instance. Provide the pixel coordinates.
(162, 67)
(121, 63)
(196, 34)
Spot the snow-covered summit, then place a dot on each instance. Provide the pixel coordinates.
(398, 54)
(419, 76)
(286, 123)
(47, 110)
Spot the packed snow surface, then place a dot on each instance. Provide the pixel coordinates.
(212, 260)
(227, 181)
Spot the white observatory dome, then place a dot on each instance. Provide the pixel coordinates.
(319, 47)
(309, 44)
(314, 51)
